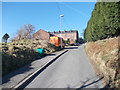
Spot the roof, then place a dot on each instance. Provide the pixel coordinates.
(41, 30)
(57, 32)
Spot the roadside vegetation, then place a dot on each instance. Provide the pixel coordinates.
(22, 49)
(102, 36)
(19, 53)
(104, 22)
(104, 55)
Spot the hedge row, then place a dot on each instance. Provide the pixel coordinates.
(104, 22)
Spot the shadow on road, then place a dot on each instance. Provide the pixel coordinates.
(24, 84)
(84, 85)
(71, 47)
(21, 70)
(50, 54)
(26, 68)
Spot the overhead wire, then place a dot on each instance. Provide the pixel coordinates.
(60, 11)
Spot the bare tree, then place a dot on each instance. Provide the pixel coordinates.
(29, 31)
(25, 32)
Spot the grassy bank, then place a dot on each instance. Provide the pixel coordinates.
(19, 53)
(106, 57)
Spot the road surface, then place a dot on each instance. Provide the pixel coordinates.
(71, 70)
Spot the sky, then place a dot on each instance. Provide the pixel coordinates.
(45, 15)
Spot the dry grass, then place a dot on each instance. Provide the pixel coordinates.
(103, 46)
(105, 53)
(19, 53)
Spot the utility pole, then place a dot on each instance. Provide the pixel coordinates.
(61, 27)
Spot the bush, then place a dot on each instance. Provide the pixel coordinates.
(104, 22)
(17, 58)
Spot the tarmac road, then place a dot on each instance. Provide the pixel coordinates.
(71, 70)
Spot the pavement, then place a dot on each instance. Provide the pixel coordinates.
(13, 79)
(71, 70)
(61, 69)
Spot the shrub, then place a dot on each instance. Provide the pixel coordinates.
(16, 59)
(104, 22)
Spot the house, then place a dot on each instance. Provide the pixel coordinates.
(71, 35)
(42, 35)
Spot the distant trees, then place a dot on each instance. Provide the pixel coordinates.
(104, 21)
(25, 32)
(80, 40)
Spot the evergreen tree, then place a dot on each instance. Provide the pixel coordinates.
(104, 21)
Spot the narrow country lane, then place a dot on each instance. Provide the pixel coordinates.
(71, 70)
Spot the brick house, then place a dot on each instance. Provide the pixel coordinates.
(72, 35)
(41, 34)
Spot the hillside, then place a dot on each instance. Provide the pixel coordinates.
(17, 54)
(102, 36)
(105, 56)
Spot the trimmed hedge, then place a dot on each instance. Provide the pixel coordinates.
(104, 22)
